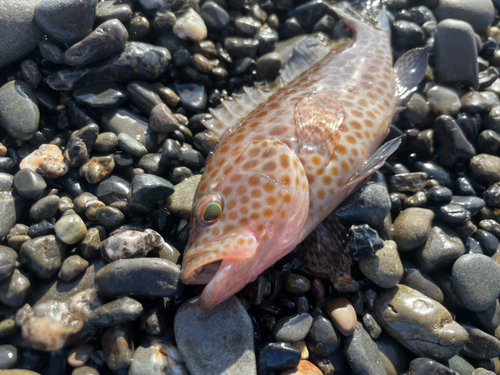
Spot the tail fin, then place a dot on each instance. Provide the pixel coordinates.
(373, 12)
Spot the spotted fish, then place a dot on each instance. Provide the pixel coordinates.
(290, 152)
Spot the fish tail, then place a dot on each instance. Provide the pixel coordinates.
(373, 13)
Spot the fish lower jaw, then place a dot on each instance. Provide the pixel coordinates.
(200, 275)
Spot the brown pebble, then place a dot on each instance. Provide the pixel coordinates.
(482, 371)
(97, 168)
(169, 96)
(162, 120)
(3, 150)
(79, 355)
(301, 345)
(16, 242)
(343, 315)
(304, 368)
(48, 161)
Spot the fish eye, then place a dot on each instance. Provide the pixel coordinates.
(209, 209)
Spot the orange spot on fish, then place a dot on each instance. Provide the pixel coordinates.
(241, 189)
(287, 198)
(254, 216)
(316, 160)
(269, 187)
(285, 161)
(241, 242)
(321, 194)
(256, 193)
(254, 152)
(268, 213)
(334, 171)
(260, 227)
(255, 205)
(244, 200)
(269, 166)
(341, 149)
(239, 138)
(251, 164)
(327, 180)
(244, 222)
(227, 190)
(345, 166)
(215, 232)
(224, 149)
(253, 181)
(356, 113)
(350, 139)
(286, 180)
(282, 213)
(355, 152)
(369, 123)
(244, 210)
(235, 178)
(203, 186)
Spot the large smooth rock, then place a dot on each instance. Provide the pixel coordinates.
(418, 322)
(478, 13)
(219, 341)
(20, 32)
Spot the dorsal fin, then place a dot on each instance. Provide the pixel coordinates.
(305, 54)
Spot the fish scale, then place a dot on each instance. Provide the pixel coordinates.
(280, 170)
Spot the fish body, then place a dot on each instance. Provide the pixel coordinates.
(279, 172)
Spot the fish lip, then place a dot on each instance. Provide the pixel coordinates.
(194, 275)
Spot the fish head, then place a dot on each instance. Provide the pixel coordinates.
(243, 221)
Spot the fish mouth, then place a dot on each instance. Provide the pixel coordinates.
(201, 275)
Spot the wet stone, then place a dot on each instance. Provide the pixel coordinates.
(488, 142)
(70, 229)
(53, 325)
(161, 119)
(113, 189)
(454, 146)
(118, 312)
(150, 163)
(277, 357)
(420, 281)
(267, 38)
(384, 268)
(192, 95)
(106, 39)
(479, 16)
(43, 255)
(15, 289)
(64, 20)
(51, 51)
(292, 328)
(454, 213)
(322, 340)
(421, 366)
(79, 355)
(476, 279)
(131, 145)
(118, 347)
(491, 226)
(460, 365)
(45, 208)
(110, 9)
(343, 315)
(101, 95)
(123, 244)
(297, 284)
(363, 241)
(97, 168)
(137, 61)
(89, 247)
(72, 267)
(8, 258)
(152, 321)
(471, 204)
(485, 168)
(475, 101)
(489, 243)
(372, 326)
(441, 248)
(87, 370)
(407, 34)
(110, 217)
(241, 47)
(456, 53)
(47, 160)
(142, 277)
(444, 101)
(215, 17)
(8, 356)
(29, 184)
(106, 142)
(164, 21)
(480, 345)
(439, 195)
(411, 228)
(408, 182)
(19, 113)
(190, 26)
(268, 66)
(144, 96)
(148, 188)
(362, 353)
(419, 323)
(30, 73)
(225, 333)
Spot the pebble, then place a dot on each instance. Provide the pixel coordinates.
(72, 267)
(471, 204)
(118, 347)
(53, 325)
(453, 145)
(407, 34)
(101, 95)
(408, 182)
(456, 63)
(123, 244)
(148, 188)
(47, 160)
(162, 120)
(29, 184)
(322, 339)
(106, 142)
(304, 368)
(70, 229)
(480, 345)
(110, 217)
(420, 281)
(124, 121)
(215, 17)
(476, 280)
(118, 312)
(79, 355)
(108, 38)
(66, 21)
(8, 356)
(113, 189)
(180, 203)
(485, 168)
(419, 323)
(141, 277)
(15, 289)
(424, 366)
(479, 15)
(19, 113)
(190, 26)
(412, 227)
(30, 73)
(131, 145)
(192, 95)
(444, 101)
(343, 315)
(362, 353)
(45, 208)
(89, 247)
(384, 268)
(8, 258)
(97, 168)
(489, 243)
(454, 213)
(292, 328)
(43, 256)
(21, 33)
(109, 9)
(277, 357)
(86, 370)
(363, 241)
(372, 326)
(268, 66)
(225, 333)
(297, 284)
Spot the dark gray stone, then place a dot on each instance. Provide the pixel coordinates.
(292, 328)
(43, 255)
(148, 188)
(72, 267)
(101, 95)
(45, 208)
(225, 333)
(120, 311)
(29, 184)
(118, 347)
(480, 345)
(444, 101)
(8, 258)
(479, 14)
(362, 353)
(15, 289)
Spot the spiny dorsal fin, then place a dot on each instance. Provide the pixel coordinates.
(305, 54)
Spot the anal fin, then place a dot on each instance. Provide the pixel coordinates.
(408, 71)
(375, 161)
(318, 118)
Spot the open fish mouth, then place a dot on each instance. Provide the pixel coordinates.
(202, 263)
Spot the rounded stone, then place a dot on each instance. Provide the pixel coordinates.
(29, 184)
(101, 95)
(15, 289)
(43, 255)
(292, 328)
(162, 120)
(72, 267)
(8, 356)
(343, 315)
(476, 280)
(47, 160)
(479, 14)
(80, 355)
(106, 142)
(297, 284)
(131, 145)
(118, 347)
(419, 323)
(190, 26)
(45, 208)
(70, 229)
(8, 258)
(485, 168)
(19, 113)
(120, 311)
(411, 228)
(384, 268)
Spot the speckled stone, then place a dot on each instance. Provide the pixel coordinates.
(97, 168)
(70, 229)
(128, 243)
(47, 160)
(45, 208)
(72, 267)
(485, 168)
(190, 26)
(411, 228)
(8, 258)
(384, 268)
(118, 347)
(180, 203)
(43, 255)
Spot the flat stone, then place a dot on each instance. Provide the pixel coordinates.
(148, 188)
(141, 277)
(67, 21)
(456, 53)
(101, 95)
(444, 101)
(225, 333)
(476, 279)
(19, 113)
(322, 339)
(418, 280)
(121, 311)
(292, 328)
(362, 353)
(419, 323)
(424, 366)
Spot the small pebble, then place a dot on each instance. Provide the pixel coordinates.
(343, 315)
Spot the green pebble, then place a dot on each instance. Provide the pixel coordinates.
(131, 145)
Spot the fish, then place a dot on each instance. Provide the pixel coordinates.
(288, 153)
